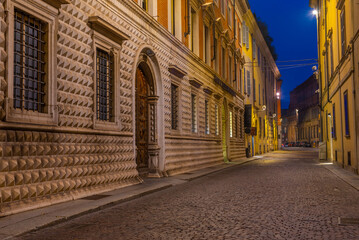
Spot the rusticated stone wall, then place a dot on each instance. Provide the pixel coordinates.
(44, 165)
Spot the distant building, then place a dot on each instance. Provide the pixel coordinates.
(301, 120)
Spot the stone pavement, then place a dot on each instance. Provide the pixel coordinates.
(20, 223)
(282, 195)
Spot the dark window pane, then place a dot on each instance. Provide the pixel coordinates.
(29, 49)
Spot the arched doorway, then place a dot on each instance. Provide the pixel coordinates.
(141, 116)
(148, 118)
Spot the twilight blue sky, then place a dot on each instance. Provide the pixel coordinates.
(293, 28)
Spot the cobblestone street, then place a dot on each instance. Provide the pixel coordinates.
(284, 195)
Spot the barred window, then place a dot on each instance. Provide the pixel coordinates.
(216, 116)
(174, 106)
(29, 62)
(194, 113)
(206, 117)
(104, 84)
(230, 124)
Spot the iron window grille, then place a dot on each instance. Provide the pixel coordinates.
(206, 115)
(29, 62)
(194, 113)
(104, 84)
(174, 106)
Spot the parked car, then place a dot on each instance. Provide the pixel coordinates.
(308, 145)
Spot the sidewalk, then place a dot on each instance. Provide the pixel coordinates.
(345, 175)
(17, 224)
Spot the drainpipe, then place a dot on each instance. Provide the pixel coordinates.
(188, 19)
(326, 50)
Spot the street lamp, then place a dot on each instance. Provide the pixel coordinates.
(315, 12)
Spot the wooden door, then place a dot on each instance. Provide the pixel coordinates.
(141, 120)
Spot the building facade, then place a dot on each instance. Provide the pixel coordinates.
(302, 120)
(97, 94)
(338, 77)
(260, 75)
(305, 99)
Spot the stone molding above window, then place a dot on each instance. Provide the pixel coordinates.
(195, 82)
(103, 27)
(176, 71)
(57, 3)
(108, 38)
(49, 15)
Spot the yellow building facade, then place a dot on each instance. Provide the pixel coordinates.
(337, 24)
(260, 75)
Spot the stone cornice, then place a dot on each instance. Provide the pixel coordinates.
(105, 28)
(57, 3)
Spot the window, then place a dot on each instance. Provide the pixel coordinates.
(248, 82)
(223, 7)
(254, 90)
(30, 64)
(346, 113)
(193, 38)
(259, 57)
(334, 133)
(260, 127)
(206, 116)
(240, 126)
(254, 48)
(244, 80)
(259, 94)
(104, 85)
(230, 16)
(230, 74)
(216, 116)
(193, 13)
(30, 53)
(331, 57)
(342, 31)
(235, 125)
(173, 16)
(174, 106)
(239, 34)
(264, 128)
(217, 56)
(207, 45)
(230, 124)
(194, 113)
(144, 4)
(224, 72)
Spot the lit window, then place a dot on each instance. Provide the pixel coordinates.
(216, 119)
(206, 116)
(230, 124)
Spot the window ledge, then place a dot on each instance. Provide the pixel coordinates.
(106, 125)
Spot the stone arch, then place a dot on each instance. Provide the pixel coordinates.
(147, 62)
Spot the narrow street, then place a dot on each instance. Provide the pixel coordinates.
(284, 195)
